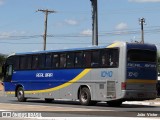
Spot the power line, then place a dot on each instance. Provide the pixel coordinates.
(50, 43)
(6, 37)
(148, 30)
(42, 43)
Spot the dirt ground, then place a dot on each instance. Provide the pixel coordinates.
(1, 86)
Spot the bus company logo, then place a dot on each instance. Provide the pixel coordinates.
(45, 75)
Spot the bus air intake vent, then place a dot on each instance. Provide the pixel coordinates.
(111, 90)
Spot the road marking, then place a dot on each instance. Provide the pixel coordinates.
(4, 110)
(25, 107)
(142, 103)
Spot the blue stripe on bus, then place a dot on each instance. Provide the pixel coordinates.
(40, 79)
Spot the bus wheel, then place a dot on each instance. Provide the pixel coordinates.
(48, 100)
(85, 96)
(20, 95)
(114, 103)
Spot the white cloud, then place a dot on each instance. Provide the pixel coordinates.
(2, 2)
(71, 22)
(143, 1)
(86, 32)
(121, 26)
(6, 35)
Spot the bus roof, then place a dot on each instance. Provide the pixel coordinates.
(113, 45)
(63, 50)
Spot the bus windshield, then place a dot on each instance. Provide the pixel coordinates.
(138, 55)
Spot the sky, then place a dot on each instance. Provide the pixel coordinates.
(22, 28)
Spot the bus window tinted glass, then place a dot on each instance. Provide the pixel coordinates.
(105, 58)
(16, 63)
(48, 60)
(114, 57)
(28, 62)
(62, 60)
(35, 62)
(55, 61)
(78, 59)
(110, 58)
(141, 55)
(41, 62)
(70, 60)
(95, 59)
(23, 62)
(87, 59)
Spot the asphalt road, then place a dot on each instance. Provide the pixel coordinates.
(59, 108)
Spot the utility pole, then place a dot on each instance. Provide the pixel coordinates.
(45, 24)
(142, 21)
(94, 22)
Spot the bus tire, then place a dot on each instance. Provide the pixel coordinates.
(85, 96)
(20, 94)
(115, 103)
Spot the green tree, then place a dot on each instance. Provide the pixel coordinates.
(2, 59)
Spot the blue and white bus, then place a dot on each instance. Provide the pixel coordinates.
(114, 74)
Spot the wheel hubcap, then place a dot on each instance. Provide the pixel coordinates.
(20, 94)
(84, 97)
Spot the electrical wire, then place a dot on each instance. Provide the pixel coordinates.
(148, 30)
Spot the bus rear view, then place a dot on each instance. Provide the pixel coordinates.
(141, 75)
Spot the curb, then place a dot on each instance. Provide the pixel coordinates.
(142, 103)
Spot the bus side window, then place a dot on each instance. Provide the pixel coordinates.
(35, 62)
(105, 58)
(48, 61)
(70, 60)
(78, 59)
(62, 60)
(23, 61)
(87, 59)
(114, 55)
(110, 58)
(55, 61)
(16, 64)
(95, 58)
(41, 63)
(29, 61)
